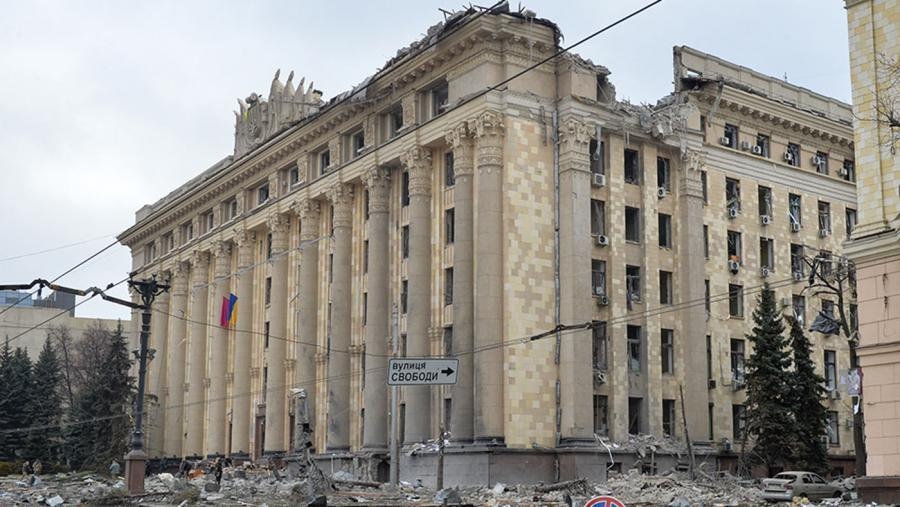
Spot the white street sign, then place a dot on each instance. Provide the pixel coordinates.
(422, 372)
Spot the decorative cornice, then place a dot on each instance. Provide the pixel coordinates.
(378, 182)
(341, 196)
(575, 135)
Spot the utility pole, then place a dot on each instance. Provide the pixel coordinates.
(136, 459)
(395, 406)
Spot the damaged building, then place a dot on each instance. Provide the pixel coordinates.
(484, 216)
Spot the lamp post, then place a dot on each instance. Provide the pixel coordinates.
(136, 459)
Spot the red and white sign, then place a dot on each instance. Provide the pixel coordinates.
(604, 501)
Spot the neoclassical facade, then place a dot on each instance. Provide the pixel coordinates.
(483, 220)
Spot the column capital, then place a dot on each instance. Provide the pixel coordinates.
(462, 139)
(244, 238)
(180, 277)
(221, 249)
(575, 135)
(488, 125)
(692, 159)
(341, 196)
(199, 259)
(306, 209)
(279, 224)
(378, 181)
(417, 161)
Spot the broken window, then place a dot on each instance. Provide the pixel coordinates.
(597, 151)
(357, 143)
(632, 224)
(635, 425)
(366, 256)
(365, 312)
(207, 222)
(733, 194)
(830, 370)
(824, 218)
(394, 120)
(833, 429)
(230, 209)
(633, 284)
(404, 189)
(820, 160)
(268, 291)
(324, 161)
(440, 98)
(662, 174)
(598, 277)
(330, 267)
(797, 262)
(266, 327)
(709, 428)
(366, 204)
(792, 155)
(762, 145)
(448, 341)
(598, 217)
(667, 350)
(828, 308)
(825, 263)
(854, 318)
(665, 230)
(449, 224)
(149, 253)
(704, 183)
(736, 300)
(850, 220)
(632, 167)
(601, 415)
(848, 171)
(449, 174)
(795, 211)
(709, 358)
(668, 418)
(738, 422)
(404, 242)
(448, 286)
(765, 202)
(600, 345)
(737, 361)
(665, 288)
(262, 194)
(269, 245)
(168, 242)
(404, 296)
(767, 253)
(731, 136)
(798, 305)
(734, 246)
(634, 348)
(706, 241)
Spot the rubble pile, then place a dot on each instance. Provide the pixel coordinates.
(677, 490)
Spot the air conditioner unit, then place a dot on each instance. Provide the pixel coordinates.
(600, 376)
(764, 271)
(602, 299)
(824, 233)
(745, 145)
(725, 141)
(734, 266)
(842, 172)
(765, 219)
(798, 276)
(817, 160)
(786, 302)
(757, 150)
(599, 180)
(788, 157)
(733, 212)
(795, 227)
(602, 240)
(660, 192)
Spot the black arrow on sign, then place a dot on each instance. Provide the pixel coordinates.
(447, 371)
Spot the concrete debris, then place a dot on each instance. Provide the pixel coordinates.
(498, 488)
(54, 501)
(343, 475)
(448, 496)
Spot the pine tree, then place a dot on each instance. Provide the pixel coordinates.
(120, 392)
(46, 406)
(809, 413)
(768, 420)
(6, 407)
(15, 375)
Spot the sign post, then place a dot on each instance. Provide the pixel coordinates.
(411, 371)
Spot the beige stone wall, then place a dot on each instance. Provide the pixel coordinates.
(19, 319)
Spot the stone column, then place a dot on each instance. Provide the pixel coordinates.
(461, 409)
(575, 365)
(418, 398)
(242, 408)
(306, 348)
(175, 365)
(690, 276)
(158, 386)
(279, 225)
(194, 424)
(378, 330)
(216, 434)
(489, 409)
(338, 438)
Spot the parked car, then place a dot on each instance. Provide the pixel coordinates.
(786, 485)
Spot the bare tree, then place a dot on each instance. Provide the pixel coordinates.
(886, 107)
(61, 338)
(834, 279)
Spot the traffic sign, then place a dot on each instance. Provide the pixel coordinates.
(410, 371)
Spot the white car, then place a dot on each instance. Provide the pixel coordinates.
(787, 485)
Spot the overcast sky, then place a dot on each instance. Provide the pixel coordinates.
(106, 106)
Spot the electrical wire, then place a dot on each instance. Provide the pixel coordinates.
(54, 249)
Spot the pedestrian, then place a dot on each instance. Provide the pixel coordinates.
(217, 469)
(184, 468)
(38, 467)
(114, 468)
(26, 469)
